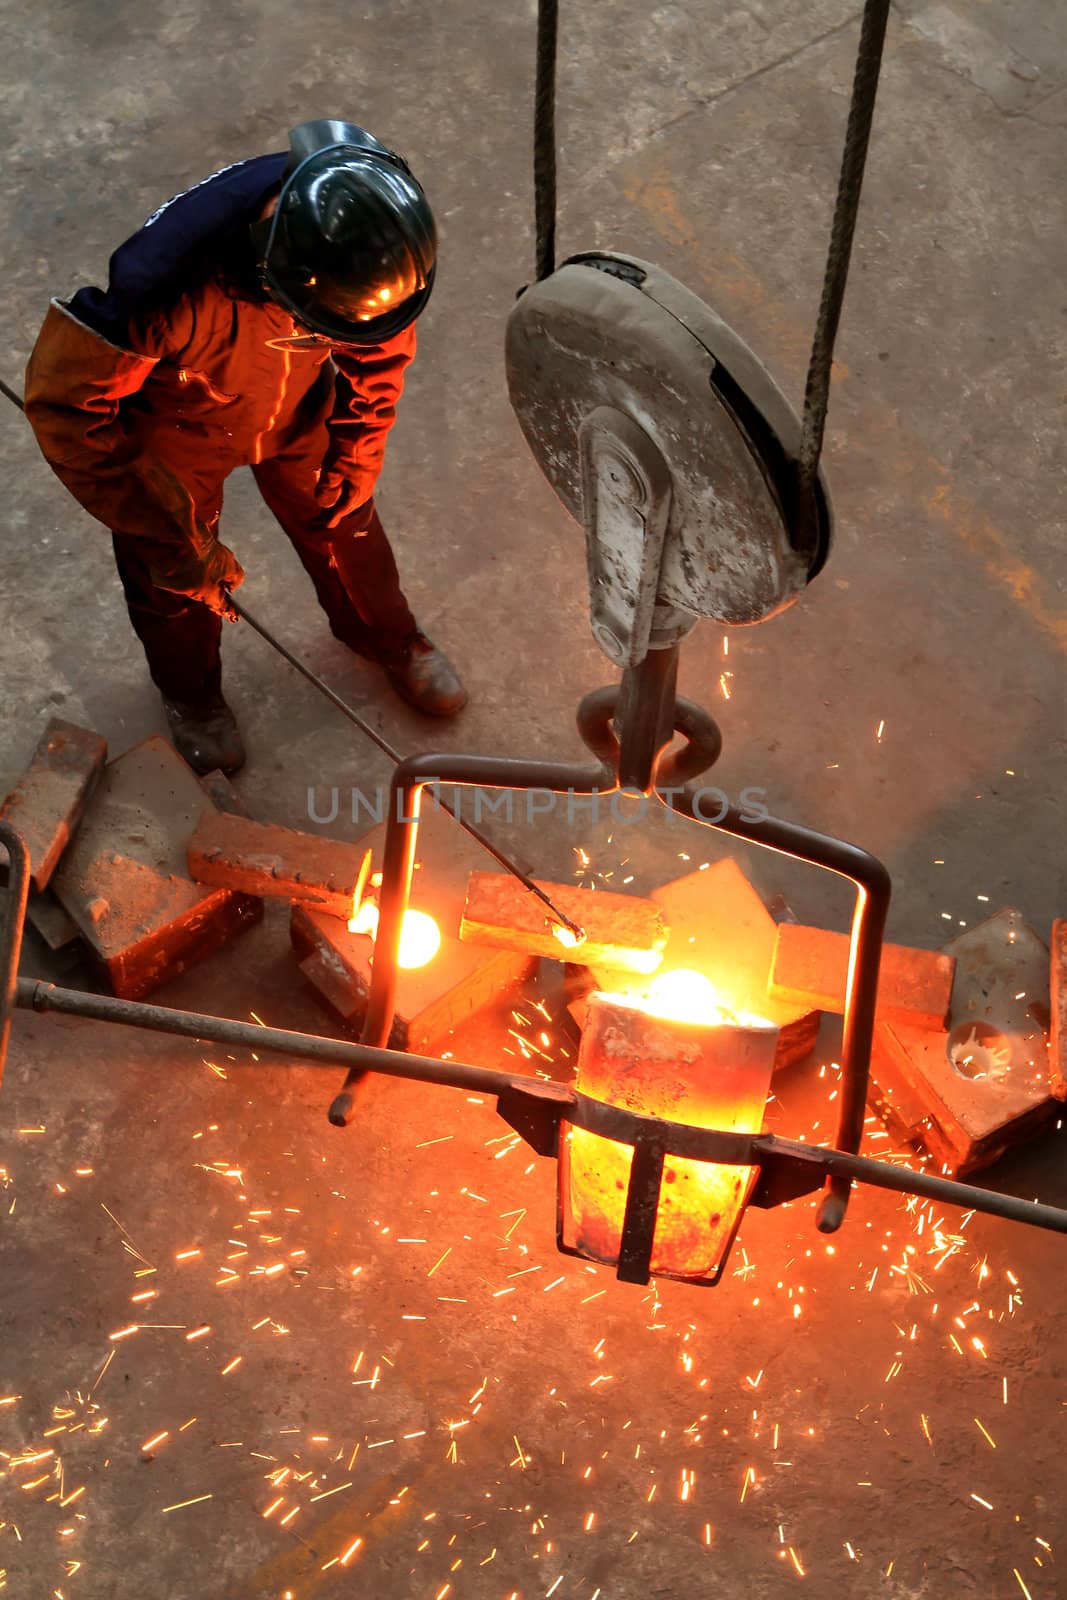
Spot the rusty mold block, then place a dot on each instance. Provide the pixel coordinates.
(980, 1085)
(621, 930)
(50, 798)
(124, 881)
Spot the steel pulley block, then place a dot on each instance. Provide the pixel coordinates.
(664, 435)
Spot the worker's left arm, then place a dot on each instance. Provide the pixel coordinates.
(368, 385)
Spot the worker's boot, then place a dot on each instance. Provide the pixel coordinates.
(206, 734)
(423, 675)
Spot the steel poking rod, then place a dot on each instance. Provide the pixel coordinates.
(396, 758)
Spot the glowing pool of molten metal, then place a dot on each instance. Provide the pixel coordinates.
(684, 995)
(420, 937)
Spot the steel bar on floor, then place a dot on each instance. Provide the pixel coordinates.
(557, 1102)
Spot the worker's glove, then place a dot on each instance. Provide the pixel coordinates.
(206, 577)
(341, 511)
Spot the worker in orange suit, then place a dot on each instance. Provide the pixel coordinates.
(263, 318)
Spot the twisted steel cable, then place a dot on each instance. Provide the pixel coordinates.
(839, 253)
(545, 138)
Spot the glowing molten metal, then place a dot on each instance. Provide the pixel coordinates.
(420, 937)
(680, 1054)
(683, 995)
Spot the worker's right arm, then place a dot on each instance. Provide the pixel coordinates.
(76, 383)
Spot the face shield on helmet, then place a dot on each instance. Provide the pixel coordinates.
(351, 248)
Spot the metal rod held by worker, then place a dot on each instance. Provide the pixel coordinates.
(395, 757)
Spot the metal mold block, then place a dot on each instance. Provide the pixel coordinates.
(980, 1085)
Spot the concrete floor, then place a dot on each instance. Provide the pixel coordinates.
(570, 1436)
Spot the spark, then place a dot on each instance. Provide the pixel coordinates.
(103, 1370)
(129, 1244)
(156, 1439)
(350, 1552)
(518, 1215)
(181, 1504)
(326, 1493)
(985, 1431)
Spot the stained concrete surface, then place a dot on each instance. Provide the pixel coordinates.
(845, 1449)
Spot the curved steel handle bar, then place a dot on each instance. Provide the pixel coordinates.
(863, 870)
(15, 899)
(873, 889)
(411, 777)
